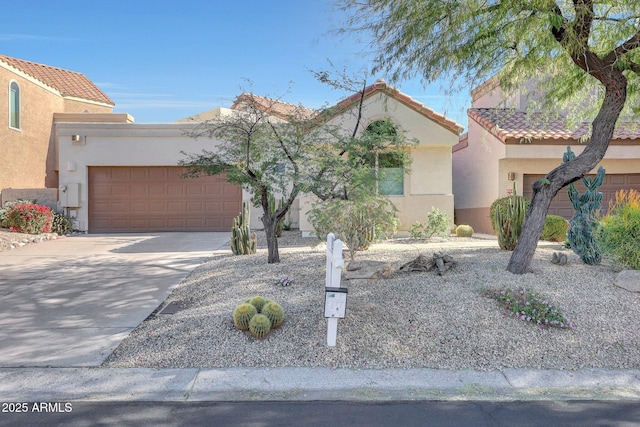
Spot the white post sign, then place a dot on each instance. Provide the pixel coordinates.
(335, 296)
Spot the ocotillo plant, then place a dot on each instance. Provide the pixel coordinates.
(242, 241)
(584, 222)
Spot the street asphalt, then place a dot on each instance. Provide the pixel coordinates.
(65, 305)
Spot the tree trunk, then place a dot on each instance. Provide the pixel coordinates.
(270, 223)
(603, 127)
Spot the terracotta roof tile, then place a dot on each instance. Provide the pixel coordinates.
(274, 107)
(510, 125)
(68, 83)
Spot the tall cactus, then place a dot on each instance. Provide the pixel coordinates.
(242, 241)
(509, 224)
(583, 224)
(273, 207)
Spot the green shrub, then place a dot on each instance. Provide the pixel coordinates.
(61, 224)
(529, 306)
(356, 222)
(437, 224)
(555, 229)
(618, 234)
(464, 231)
(502, 205)
(30, 218)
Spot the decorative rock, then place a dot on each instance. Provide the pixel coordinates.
(368, 270)
(629, 280)
(422, 263)
(559, 258)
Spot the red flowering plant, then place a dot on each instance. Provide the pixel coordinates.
(30, 218)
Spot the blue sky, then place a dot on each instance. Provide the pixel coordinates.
(162, 60)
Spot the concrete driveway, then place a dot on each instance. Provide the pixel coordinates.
(70, 302)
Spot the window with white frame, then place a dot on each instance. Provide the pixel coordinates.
(388, 165)
(14, 105)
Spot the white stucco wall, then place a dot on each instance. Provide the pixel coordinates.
(119, 144)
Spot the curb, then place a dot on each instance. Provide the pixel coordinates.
(306, 384)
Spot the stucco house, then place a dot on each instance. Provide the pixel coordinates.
(123, 177)
(508, 145)
(35, 94)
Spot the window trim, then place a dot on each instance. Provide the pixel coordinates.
(15, 108)
(377, 168)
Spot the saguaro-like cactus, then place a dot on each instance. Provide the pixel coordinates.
(509, 223)
(585, 218)
(273, 207)
(242, 241)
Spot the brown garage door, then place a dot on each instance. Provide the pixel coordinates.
(142, 199)
(561, 205)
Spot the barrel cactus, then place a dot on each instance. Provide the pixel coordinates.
(258, 302)
(274, 312)
(243, 314)
(464, 230)
(259, 326)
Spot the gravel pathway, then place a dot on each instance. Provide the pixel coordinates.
(409, 320)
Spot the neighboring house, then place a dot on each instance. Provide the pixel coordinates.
(127, 179)
(34, 93)
(507, 145)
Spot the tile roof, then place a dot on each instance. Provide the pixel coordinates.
(513, 126)
(380, 86)
(286, 111)
(277, 108)
(68, 83)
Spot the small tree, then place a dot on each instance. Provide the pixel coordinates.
(261, 152)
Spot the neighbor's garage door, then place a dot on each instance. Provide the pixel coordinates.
(144, 199)
(561, 205)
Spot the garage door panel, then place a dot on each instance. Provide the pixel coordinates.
(561, 205)
(139, 199)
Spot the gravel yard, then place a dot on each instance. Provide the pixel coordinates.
(409, 320)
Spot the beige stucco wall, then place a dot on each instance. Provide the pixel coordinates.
(120, 144)
(28, 154)
(429, 182)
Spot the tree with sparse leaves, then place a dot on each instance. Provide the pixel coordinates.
(260, 151)
(270, 154)
(583, 48)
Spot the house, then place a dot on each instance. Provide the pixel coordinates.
(124, 177)
(35, 94)
(508, 145)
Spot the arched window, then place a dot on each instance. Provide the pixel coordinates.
(14, 105)
(388, 164)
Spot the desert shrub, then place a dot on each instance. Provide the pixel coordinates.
(356, 222)
(555, 229)
(61, 224)
(30, 218)
(618, 233)
(502, 205)
(531, 307)
(6, 207)
(437, 224)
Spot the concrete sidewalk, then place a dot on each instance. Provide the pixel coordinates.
(242, 384)
(70, 302)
